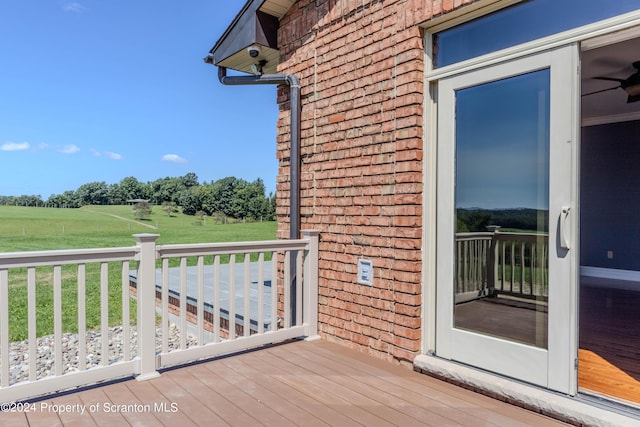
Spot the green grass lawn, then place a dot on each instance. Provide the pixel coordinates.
(31, 229)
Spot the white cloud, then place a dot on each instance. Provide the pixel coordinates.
(74, 7)
(112, 155)
(109, 154)
(42, 146)
(15, 146)
(173, 158)
(69, 149)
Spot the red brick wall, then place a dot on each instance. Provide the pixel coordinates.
(360, 64)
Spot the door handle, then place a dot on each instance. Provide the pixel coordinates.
(563, 226)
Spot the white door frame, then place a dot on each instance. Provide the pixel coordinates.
(547, 368)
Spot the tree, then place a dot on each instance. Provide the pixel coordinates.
(472, 220)
(189, 180)
(57, 201)
(128, 189)
(115, 195)
(207, 198)
(165, 190)
(142, 210)
(249, 201)
(26, 200)
(189, 202)
(93, 193)
(223, 193)
(169, 208)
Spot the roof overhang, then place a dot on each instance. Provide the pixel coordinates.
(255, 26)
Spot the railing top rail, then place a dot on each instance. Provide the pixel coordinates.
(522, 237)
(475, 235)
(66, 256)
(167, 251)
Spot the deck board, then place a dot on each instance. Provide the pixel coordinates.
(300, 383)
(397, 404)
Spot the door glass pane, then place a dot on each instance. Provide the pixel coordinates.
(502, 208)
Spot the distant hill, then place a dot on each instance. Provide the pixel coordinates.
(477, 219)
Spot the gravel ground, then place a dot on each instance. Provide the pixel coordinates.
(19, 351)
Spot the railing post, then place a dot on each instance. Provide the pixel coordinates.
(492, 262)
(310, 288)
(146, 306)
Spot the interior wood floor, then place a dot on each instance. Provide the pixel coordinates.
(609, 355)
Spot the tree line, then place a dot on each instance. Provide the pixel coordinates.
(231, 196)
(518, 218)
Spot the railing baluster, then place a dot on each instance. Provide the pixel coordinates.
(532, 267)
(216, 298)
(232, 296)
(104, 312)
(287, 290)
(126, 333)
(200, 308)
(165, 305)
(523, 246)
(513, 266)
(503, 264)
(4, 327)
(183, 302)
(57, 319)
(274, 291)
(459, 261)
(469, 266)
(82, 318)
(246, 328)
(475, 283)
(478, 265)
(299, 283)
(31, 308)
(465, 266)
(261, 293)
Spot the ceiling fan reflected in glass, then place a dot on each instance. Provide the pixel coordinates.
(631, 85)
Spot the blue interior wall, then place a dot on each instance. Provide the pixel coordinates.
(610, 196)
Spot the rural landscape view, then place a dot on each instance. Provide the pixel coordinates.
(96, 215)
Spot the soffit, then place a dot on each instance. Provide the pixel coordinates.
(256, 24)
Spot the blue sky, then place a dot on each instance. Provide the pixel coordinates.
(502, 143)
(97, 90)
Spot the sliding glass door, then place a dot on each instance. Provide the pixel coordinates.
(505, 288)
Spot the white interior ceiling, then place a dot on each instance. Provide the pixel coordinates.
(613, 60)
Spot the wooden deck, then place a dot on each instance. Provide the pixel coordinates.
(299, 383)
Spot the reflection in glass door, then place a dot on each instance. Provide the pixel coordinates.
(505, 291)
(502, 208)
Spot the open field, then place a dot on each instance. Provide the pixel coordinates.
(32, 229)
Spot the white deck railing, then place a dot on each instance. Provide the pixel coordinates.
(193, 302)
(488, 263)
